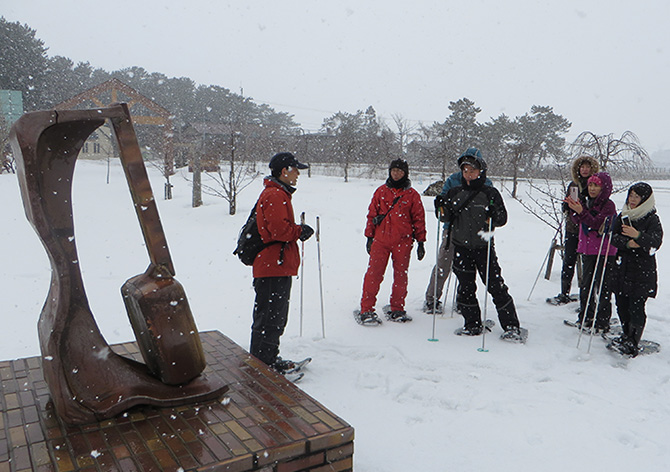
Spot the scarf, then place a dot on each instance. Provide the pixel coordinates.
(642, 210)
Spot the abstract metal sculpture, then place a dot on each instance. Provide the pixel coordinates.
(87, 380)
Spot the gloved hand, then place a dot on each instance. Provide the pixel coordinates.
(306, 232)
(368, 245)
(420, 251)
(440, 203)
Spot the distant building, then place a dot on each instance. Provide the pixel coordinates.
(11, 105)
(99, 145)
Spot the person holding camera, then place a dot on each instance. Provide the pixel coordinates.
(474, 210)
(595, 217)
(582, 168)
(396, 218)
(637, 234)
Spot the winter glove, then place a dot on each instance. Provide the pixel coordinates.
(368, 245)
(420, 251)
(306, 232)
(440, 203)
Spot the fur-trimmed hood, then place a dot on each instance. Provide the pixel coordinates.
(574, 170)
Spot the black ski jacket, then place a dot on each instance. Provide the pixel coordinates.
(468, 209)
(635, 273)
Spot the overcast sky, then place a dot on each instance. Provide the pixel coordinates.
(603, 65)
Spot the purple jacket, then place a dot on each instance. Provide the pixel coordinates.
(596, 211)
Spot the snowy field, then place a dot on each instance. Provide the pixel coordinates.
(415, 404)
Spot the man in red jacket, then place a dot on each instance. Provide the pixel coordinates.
(277, 263)
(395, 219)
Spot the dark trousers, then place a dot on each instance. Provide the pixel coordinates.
(270, 316)
(631, 311)
(600, 294)
(469, 262)
(569, 260)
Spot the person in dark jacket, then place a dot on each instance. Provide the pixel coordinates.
(445, 255)
(277, 263)
(595, 218)
(637, 234)
(582, 168)
(472, 209)
(396, 218)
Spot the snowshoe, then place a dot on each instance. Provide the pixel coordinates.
(628, 349)
(294, 377)
(614, 328)
(368, 318)
(290, 369)
(573, 324)
(399, 316)
(562, 299)
(515, 335)
(474, 330)
(433, 308)
(298, 366)
(285, 366)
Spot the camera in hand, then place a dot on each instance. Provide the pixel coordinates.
(626, 220)
(574, 193)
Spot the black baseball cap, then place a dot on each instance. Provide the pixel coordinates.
(282, 160)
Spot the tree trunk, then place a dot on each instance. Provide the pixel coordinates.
(197, 182)
(232, 208)
(515, 181)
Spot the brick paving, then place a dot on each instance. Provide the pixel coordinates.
(262, 423)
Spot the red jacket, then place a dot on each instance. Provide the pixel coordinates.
(276, 222)
(407, 218)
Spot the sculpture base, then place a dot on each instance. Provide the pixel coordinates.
(264, 423)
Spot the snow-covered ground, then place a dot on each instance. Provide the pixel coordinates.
(415, 404)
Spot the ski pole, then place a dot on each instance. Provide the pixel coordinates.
(486, 293)
(437, 260)
(454, 297)
(546, 258)
(446, 292)
(318, 255)
(600, 285)
(588, 298)
(302, 270)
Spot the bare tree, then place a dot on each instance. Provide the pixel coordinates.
(405, 130)
(544, 200)
(623, 154)
(228, 183)
(347, 146)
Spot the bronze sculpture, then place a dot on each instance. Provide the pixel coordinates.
(87, 380)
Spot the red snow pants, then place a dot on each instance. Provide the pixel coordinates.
(379, 256)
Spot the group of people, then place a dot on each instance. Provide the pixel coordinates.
(617, 251)
(471, 208)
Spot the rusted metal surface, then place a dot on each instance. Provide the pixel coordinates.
(87, 380)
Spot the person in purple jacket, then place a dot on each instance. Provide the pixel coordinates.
(595, 218)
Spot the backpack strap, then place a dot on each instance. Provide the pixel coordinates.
(265, 245)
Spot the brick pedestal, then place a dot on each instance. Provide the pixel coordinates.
(263, 423)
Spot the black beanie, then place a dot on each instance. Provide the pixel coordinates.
(400, 164)
(643, 189)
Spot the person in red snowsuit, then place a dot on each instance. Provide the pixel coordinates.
(396, 218)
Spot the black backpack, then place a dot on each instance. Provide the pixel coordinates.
(249, 242)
